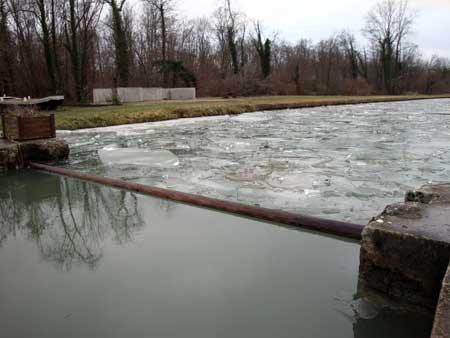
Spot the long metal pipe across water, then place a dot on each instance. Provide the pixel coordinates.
(337, 228)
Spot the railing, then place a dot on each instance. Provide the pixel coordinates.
(337, 228)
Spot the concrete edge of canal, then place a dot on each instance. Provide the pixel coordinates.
(15, 155)
(405, 254)
(441, 327)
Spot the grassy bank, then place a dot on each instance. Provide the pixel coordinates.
(72, 118)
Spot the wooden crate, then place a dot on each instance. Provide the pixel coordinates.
(23, 128)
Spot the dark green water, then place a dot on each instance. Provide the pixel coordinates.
(80, 260)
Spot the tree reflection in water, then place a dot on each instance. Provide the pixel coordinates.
(67, 219)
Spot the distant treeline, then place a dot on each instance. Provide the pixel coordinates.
(71, 46)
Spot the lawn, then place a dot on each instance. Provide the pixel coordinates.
(71, 118)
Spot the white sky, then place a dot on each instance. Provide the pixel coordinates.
(317, 19)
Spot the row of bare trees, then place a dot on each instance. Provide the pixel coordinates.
(72, 46)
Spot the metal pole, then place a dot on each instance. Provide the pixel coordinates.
(337, 228)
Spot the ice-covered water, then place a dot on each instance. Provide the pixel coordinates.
(343, 162)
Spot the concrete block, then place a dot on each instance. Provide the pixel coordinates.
(130, 94)
(181, 93)
(138, 94)
(47, 150)
(9, 153)
(165, 93)
(405, 251)
(16, 155)
(152, 94)
(102, 96)
(441, 327)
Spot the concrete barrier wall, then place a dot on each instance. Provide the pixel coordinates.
(181, 93)
(441, 328)
(138, 94)
(165, 93)
(102, 96)
(130, 94)
(152, 94)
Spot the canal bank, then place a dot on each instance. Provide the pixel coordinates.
(73, 118)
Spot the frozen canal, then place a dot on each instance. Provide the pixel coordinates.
(343, 162)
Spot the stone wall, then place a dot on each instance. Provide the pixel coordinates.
(138, 94)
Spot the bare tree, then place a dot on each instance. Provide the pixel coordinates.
(80, 19)
(52, 45)
(264, 51)
(6, 58)
(164, 8)
(231, 34)
(388, 25)
(45, 12)
(24, 30)
(121, 45)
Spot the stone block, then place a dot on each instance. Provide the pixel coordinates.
(16, 155)
(9, 154)
(102, 96)
(152, 94)
(181, 93)
(441, 327)
(48, 150)
(138, 94)
(405, 251)
(130, 94)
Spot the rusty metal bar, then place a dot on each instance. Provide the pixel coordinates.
(337, 228)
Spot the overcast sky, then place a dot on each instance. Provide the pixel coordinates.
(317, 19)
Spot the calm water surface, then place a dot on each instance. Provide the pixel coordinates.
(80, 260)
(345, 162)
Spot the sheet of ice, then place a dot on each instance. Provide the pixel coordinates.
(343, 162)
(140, 157)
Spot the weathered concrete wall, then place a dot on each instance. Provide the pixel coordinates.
(9, 154)
(165, 93)
(405, 251)
(152, 94)
(102, 96)
(181, 94)
(138, 94)
(48, 150)
(130, 94)
(441, 328)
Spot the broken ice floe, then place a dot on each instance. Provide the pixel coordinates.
(140, 157)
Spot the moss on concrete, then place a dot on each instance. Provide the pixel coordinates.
(48, 150)
(8, 155)
(16, 155)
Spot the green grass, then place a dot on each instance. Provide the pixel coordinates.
(71, 118)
